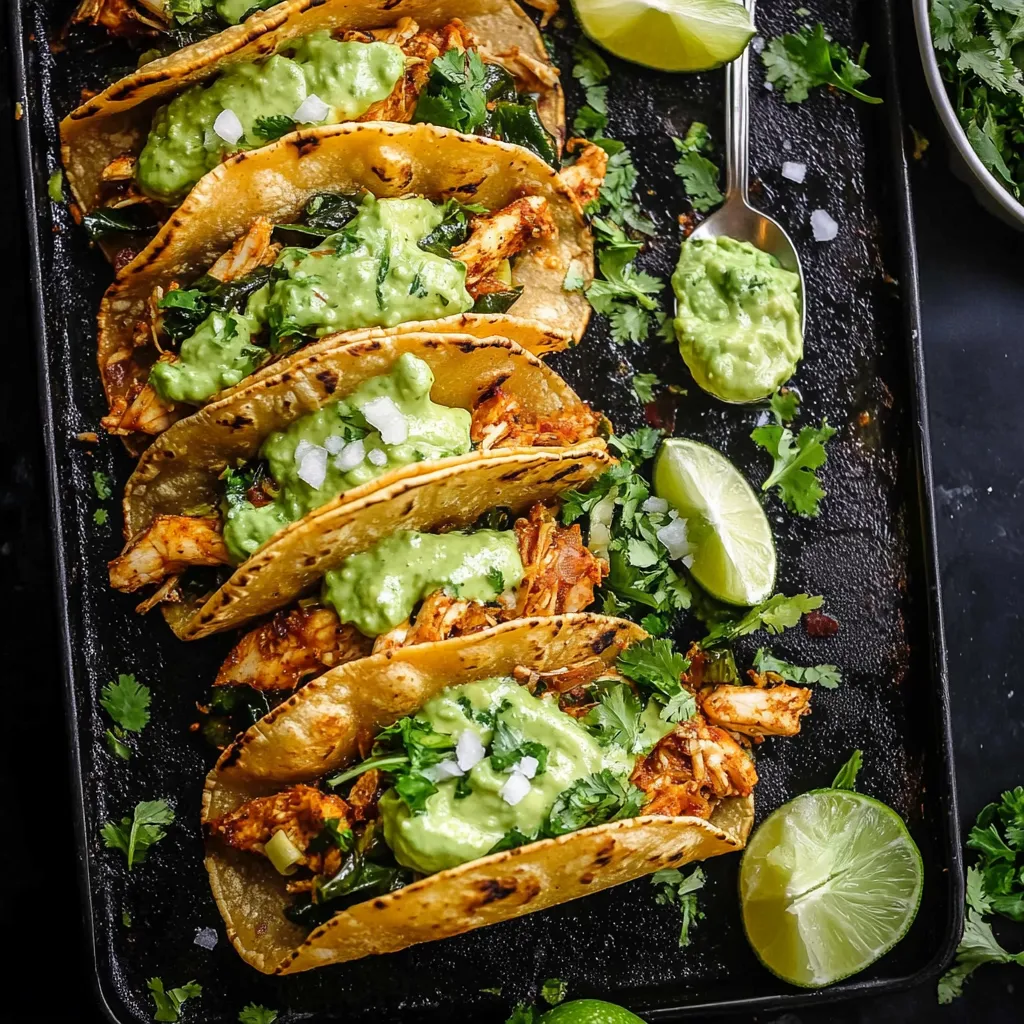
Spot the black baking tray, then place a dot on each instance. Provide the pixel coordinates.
(871, 553)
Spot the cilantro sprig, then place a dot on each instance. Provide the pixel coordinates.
(656, 665)
(679, 890)
(254, 1013)
(127, 703)
(828, 676)
(795, 457)
(995, 885)
(699, 175)
(807, 59)
(135, 836)
(778, 613)
(169, 1002)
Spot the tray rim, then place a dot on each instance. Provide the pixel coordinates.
(925, 535)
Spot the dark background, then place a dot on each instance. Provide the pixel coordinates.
(972, 284)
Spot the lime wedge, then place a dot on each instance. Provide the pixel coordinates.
(670, 35)
(730, 541)
(830, 882)
(589, 1011)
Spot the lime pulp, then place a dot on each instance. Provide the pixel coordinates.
(830, 882)
(670, 35)
(730, 540)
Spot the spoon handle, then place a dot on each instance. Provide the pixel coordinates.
(737, 122)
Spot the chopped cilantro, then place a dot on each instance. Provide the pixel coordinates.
(699, 174)
(509, 745)
(799, 62)
(100, 517)
(796, 457)
(784, 405)
(496, 579)
(273, 126)
(828, 676)
(616, 718)
(846, 778)
(169, 1003)
(454, 96)
(679, 890)
(656, 665)
(134, 836)
(593, 800)
(114, 738)
(644, 385)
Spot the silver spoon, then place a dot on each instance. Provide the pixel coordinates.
(736, 218)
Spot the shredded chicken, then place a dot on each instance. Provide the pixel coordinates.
(294, 644)
(300, 812)
(498, 422)
(122, 17)
(438, 618)
(365, 793)
(585, 176)
(692, 768)
(140, 411)
(774, 711)
(533, 74)
(167, 546)
(496, 236)
(548, 9)
(121, 168)
(560, 574)
(252, 250)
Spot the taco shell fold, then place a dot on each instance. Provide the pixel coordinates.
(391, 161)
(317, 731)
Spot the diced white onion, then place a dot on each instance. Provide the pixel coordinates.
(377, 457)
(311, 463)
(228, 127)
(823, 226)
(311, 109)
(793, 171)
(673, 536)
(757, 44)
(653, 504)
(515, 789)
(206, 938)
(350, 456)
(601, 516)
(385, 416)
(769, 87)
(526, 766)
(334, 444)
(763, 419)
(469, 749)
(445, 770)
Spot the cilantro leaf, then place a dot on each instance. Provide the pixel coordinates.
(638, 445)
(509, 745)
(846, 778)
(656, 665)
(828, 676)
(616, 719)
(553, 991)
(807, 59)
(100, 517)
(273, 126)
(644, 385)
(127, 703)
(454, 95)
(114, 739)
(679, 890)
(101, 484)
(779, 612)
(700, 176)
(256, 1014)
(134, 836)
(593, 800)
(795, 460)
(784, 405)
(169, 1003)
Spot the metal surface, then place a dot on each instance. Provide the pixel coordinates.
(986, 186)
(736, 218)
(871, 554)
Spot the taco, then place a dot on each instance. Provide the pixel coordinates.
(280, 481)
(438, 788)
(134, 151)
(347, 229)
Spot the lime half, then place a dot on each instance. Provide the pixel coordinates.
(830, 882)
(589, 1011)
(670, 35)
(727, 531)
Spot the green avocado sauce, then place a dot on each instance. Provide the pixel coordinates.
(737, 318)
(377, 589)
(372, 273)
(219, 355)
(434, 432)
(453, 830)
(234, 11)
(182, 144)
